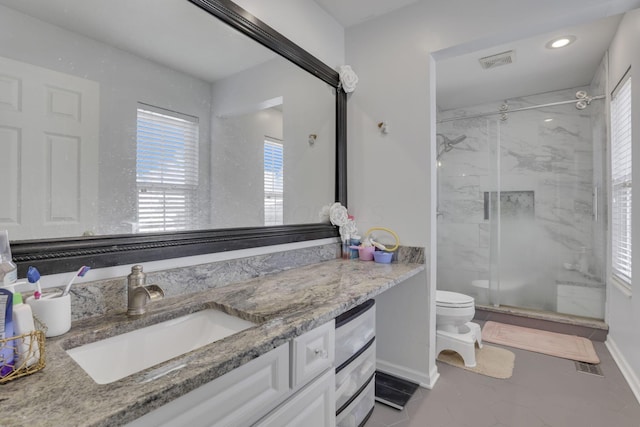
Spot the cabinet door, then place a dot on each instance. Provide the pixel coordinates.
(313, 406)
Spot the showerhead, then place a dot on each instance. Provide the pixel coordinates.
(458, 140)
(447, 144)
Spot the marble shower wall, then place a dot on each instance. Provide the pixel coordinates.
(554, 160)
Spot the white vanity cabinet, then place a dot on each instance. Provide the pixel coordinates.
(313, 403)
(292, 385)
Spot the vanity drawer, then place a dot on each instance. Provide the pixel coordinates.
(358, 411)
(237, 398)
(354, 376)
(352, 336)
(312, 353)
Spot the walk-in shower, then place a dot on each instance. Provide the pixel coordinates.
(521, 204)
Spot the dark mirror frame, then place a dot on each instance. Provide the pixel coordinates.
(52, 256)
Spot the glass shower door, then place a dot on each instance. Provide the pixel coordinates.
(546, 237)
(521, 205)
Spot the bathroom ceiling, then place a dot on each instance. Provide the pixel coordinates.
(461, 81)
(352, 12)
(207, 51)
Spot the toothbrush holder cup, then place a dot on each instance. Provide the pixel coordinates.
(54, 311)
(366, 253)
(383, 257)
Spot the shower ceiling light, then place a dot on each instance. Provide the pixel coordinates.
(559, 42)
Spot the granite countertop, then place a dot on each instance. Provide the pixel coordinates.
(284, 305)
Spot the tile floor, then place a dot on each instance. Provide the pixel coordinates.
(544, 391)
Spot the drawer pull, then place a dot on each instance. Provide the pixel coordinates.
(322, 353)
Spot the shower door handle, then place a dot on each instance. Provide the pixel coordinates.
(595, 204)
(486, 205)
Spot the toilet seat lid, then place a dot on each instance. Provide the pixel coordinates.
(453, 299)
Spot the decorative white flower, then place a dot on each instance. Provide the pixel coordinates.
(349, 229)
(338, 214)
(324, 214)
(348, 78)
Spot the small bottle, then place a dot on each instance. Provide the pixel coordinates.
(6, 331)
(355, 241)
(27, 348)
(346, 252)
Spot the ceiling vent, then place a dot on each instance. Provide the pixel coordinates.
(497, 60)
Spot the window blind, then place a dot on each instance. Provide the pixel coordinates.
(273, 182)
(166, 169)
(621, 183)
(164, 210)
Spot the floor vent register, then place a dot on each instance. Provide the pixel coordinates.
(589, 368)
(393, 391)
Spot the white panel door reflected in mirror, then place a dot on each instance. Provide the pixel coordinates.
(49, 132)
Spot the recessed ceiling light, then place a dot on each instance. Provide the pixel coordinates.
(548, 120)
(559, 42)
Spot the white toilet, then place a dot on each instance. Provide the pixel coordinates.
(454, 329)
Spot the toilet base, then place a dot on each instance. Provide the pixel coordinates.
(462, 343)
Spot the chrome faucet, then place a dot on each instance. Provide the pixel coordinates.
(139, 293)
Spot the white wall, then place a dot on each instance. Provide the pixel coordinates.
(305, 23)
(403, 338)
(623, 310)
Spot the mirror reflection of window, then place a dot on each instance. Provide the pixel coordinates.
(166, 169)
(273, 181)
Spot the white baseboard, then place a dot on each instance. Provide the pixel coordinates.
(626, 369)
(424, 380)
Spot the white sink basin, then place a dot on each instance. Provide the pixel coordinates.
(114, 358)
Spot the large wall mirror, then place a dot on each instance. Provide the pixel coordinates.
(136, 130)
